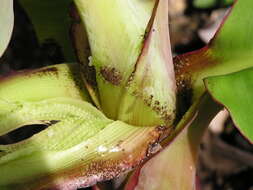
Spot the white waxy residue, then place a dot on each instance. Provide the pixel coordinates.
(102, 148)
(114, 149)
(50, 133)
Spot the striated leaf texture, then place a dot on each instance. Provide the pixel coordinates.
(131, 55)
(81, 148)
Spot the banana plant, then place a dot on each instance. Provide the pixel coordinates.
(126, 106)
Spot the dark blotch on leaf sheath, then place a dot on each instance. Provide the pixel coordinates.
(47, 71)
(111, 75)
(31, 73)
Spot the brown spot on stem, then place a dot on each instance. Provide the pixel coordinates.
(111, 75)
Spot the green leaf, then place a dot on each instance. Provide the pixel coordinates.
(6, 23)
(51, 22)
(235, 92)
(203, 4)
(43, 83)
(82, 148)
(116, 30)
(130, 51)
(153, 80)
(66, 110)
(230, 50)
(175, 166)
(37, 85)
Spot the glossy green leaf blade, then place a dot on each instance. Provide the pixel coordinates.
(175, 166)
(51, 22)
(6, 23)
(235, 92)
(233, 39)
(229, 51)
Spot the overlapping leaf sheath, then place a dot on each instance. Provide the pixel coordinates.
(175, 166)
(63, 80)
(130, 52)
(79, 149)
(135, 89)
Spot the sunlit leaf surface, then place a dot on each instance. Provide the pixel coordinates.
(81, 148)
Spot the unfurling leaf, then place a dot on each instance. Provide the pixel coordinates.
(131, 56)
